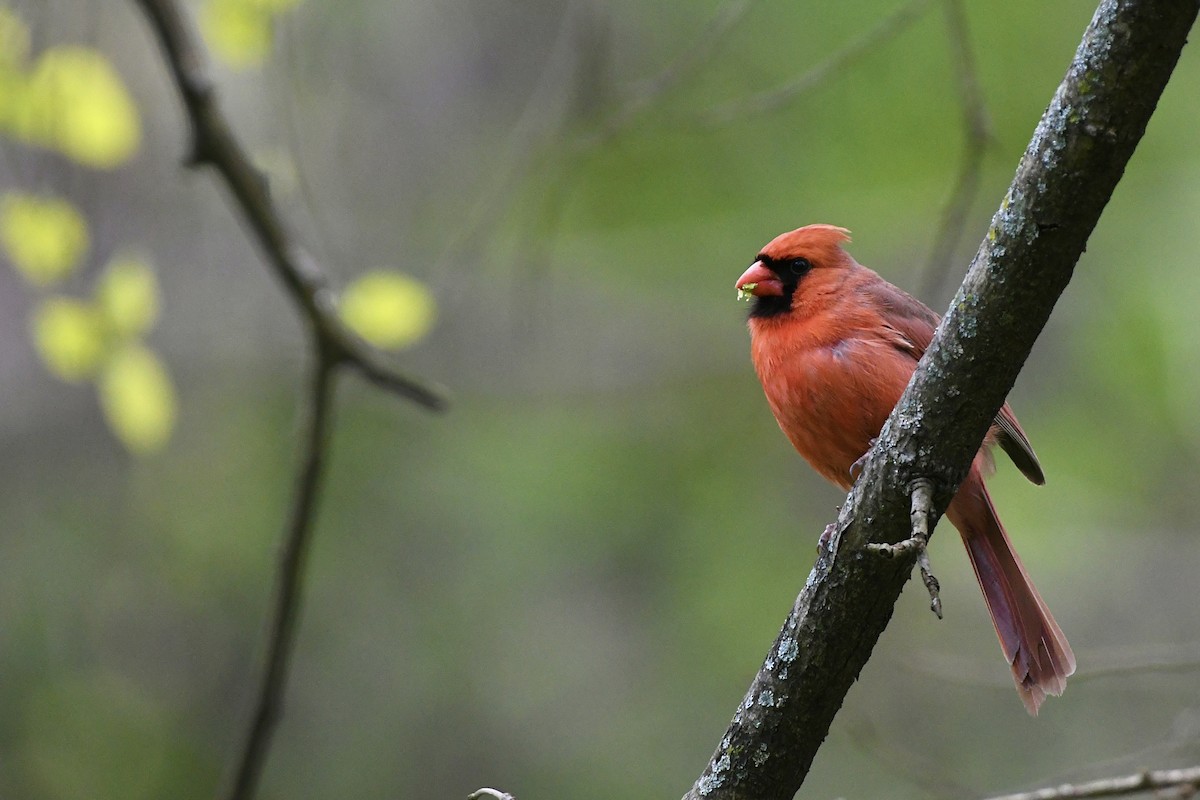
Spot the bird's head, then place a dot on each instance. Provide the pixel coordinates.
(781, 266)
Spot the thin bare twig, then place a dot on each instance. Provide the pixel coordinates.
(647, 93)
(573, 137)
(978, 137)
(214, 144)
(1130, 670)
(332, 346)
(1183, 781)
(774, 99)
(285, 605)
(582, 128)
(642, 97)
(526, 139)
(966, 673)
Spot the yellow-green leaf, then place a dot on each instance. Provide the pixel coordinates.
(138, 399)
(75, 102)
(239, 32)
(388, 309)
(127, 296)
(70, 337)
(44, 237)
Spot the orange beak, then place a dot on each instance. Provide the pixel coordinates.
(759, 281)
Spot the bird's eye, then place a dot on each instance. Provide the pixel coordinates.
(800, 266)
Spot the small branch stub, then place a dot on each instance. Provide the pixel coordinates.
(1179, 782)
(922, 509)
(494, 794)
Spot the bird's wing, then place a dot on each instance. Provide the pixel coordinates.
(1016, 444)
(909, 321)
(911, 324)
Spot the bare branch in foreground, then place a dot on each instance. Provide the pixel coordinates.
(1184, 782)
(1065, 179)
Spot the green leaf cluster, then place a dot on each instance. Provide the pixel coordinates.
(69, 99)
(99, 338)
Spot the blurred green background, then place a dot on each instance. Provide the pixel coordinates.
(563, 586)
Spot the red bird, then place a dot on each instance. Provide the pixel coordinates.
(835, 345)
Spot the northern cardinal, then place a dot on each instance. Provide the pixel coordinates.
(835, 345)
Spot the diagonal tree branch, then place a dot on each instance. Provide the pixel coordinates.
(1066, 177)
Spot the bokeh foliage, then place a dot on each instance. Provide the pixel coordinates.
(71, 100)
(563, 586)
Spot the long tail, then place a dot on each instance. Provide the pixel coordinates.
(1038, 653)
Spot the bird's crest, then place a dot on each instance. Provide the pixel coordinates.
(821, 244)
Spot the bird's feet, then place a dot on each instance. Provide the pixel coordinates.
(825, 543)
(922, 500)
(857, 467)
